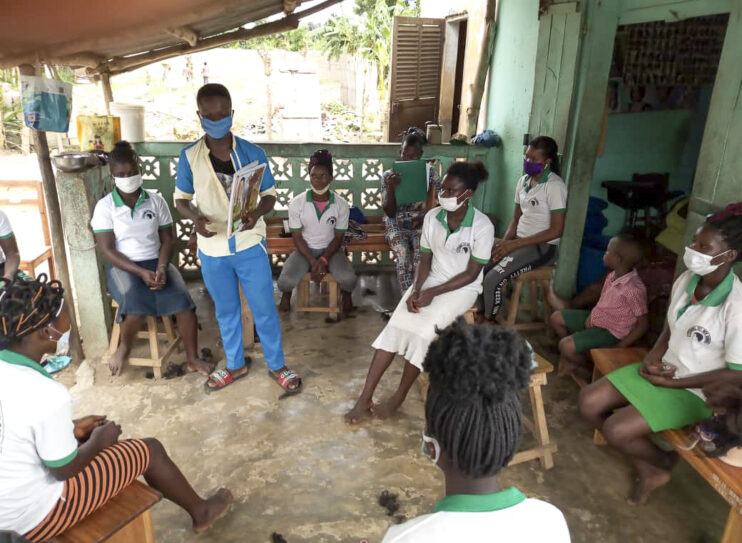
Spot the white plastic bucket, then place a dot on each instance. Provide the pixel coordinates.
(132, 120)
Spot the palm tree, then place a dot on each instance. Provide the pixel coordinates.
(370, 38)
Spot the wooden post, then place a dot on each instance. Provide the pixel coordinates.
(54, 214)
(485, 59)
(105, 82)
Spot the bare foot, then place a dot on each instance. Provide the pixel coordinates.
(213, 508)
(285, 305)
(556, 303)
(565, 368)
(388, 407)
(650, 478)
(236, 374)
(118, 360)
(201, 366)
(361, 410)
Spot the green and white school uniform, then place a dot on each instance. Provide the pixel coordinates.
(6, 231)
(36, 432)
(704, 336)
(539, 203)
(409, 334)
(318, 228)
(507, 516)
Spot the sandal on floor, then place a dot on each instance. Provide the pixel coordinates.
(220, 379)
(285, 378)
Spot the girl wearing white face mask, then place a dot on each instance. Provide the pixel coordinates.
(701, 344)
(134, 230)
(473, 426)
(318, 219)
(455, 244)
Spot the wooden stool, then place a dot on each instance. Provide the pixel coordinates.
(537, 279)
(155, 360)
(333, 306)
(126, 518)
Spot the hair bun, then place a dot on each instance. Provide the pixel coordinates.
(123, 144)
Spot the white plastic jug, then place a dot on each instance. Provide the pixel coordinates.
(132, 120)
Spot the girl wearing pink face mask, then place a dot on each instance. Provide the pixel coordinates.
(700, 345)
(532, 237)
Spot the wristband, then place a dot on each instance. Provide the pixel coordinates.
(324, 260)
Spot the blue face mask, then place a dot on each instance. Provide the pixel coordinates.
(217, 129)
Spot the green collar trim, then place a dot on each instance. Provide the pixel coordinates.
(12, 357)
(541, 180)
(466, 223)
(481, 503)
(714, 298)
(310, 198)
(119, 202)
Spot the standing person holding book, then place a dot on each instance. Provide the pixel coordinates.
(318, 220)
(205, 172)
(403, 222)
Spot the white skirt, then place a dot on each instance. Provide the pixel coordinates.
(410, 334)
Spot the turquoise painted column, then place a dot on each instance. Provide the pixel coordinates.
(78, 193)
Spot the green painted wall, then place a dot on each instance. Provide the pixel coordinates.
(648, 142)
(509, 102)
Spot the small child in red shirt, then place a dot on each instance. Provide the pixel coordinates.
(619, 317)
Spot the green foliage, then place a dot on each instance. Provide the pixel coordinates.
(299, 40)
(12, 123)
(363, 6)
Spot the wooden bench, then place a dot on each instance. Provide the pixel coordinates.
(30, 194)
(725, 479)
(374, 242)
(126, 518)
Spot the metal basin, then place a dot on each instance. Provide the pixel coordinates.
(74, 161)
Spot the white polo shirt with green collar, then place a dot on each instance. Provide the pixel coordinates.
(36, 431)
(318, 228)
(137, 231)
(539, 202)
(705, 335)
(506, 516)
(472, 240)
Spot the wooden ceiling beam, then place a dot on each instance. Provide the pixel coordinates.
(184, 33)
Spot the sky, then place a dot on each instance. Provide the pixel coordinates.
(343, 8)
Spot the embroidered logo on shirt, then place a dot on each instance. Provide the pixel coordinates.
(148, 215)
(464, 247)
(533, 202)
(699, 334)
(331, 221)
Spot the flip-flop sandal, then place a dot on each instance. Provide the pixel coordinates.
(222, 378)
(284, 379)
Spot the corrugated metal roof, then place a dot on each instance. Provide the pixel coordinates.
(93, 34)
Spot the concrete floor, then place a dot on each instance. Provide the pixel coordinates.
(297, 469)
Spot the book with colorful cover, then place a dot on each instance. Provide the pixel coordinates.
(244, 197)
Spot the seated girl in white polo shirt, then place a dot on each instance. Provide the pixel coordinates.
(134, 230)
(55, 471)
(456, 243)
(318, 219)
(532, 237)
(701, 344)
(472, 430)
(10, 257)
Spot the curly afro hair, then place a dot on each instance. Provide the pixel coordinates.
(473, 408)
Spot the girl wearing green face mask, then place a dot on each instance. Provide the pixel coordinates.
(55, 471)
(700, 345)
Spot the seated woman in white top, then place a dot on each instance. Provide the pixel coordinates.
(318, 219)
(455, 244)
(472, 430)
(10, 258)
(134, 230)
(532, 237)
(701, 344)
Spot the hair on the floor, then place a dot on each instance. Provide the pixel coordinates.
(213, 90)
(123, 153)
(728, 221)
(550, 149)
(321, 157)
(473, 407)
(26, 305)
(471, 173)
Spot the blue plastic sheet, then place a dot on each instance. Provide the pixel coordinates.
(47, 103)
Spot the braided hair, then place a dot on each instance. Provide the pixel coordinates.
(728, 222)
(473, 406)
(414, 136)
(323, 157)
(27, 305)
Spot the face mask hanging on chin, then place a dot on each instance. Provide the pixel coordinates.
(320, 192)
